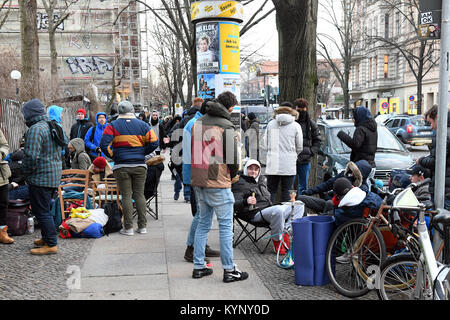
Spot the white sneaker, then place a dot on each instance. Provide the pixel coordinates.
(142, 230)
(127, 232)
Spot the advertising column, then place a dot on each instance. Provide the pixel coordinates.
(218, 55)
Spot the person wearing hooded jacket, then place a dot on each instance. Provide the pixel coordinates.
(283, 140)
(251, 137)
(92, 143)
(81, 126)
(55, 114)
(253, 203)
(311, 144)
(79, 159)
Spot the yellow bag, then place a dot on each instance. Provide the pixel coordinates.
(80, 212)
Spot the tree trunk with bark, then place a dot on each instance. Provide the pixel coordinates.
(29, 51)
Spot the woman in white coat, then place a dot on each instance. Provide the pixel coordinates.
(283, 142)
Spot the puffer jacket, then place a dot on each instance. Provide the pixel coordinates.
(429, 162)
(283, 140)
(5, 171)
(80, 128)
(311, 140)
(215, 159)
(79, 159)
(92, 145)
(365, 138)
(243, 189)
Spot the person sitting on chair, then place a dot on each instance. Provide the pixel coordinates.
(253, 203)
(100, 169)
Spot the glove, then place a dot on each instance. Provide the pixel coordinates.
(307, 192)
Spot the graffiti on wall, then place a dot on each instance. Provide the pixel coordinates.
(88, 64)
(42, 21)
(81, 41)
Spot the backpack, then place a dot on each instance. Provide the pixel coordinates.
(114, 214)
(57, 133)
(17, 217)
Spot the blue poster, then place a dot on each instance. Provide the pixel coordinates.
(206, 85)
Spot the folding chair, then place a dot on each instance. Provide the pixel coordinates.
(104, 191)
(250, 231)
(72, 178)
(152, 179)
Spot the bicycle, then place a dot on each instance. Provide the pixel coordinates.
(418, 274)
(358, 245)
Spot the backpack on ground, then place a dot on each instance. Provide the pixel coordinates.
(17, 218)
(114, 214)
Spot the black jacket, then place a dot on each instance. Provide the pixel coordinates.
(311, 140)
(365, 138)
(80, 128)
(429, 162)
(244, 189)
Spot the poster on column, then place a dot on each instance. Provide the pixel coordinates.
(229, 48)
(207, 35)
(206, 85)
(229, 82)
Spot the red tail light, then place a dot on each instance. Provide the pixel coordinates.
(409, 128)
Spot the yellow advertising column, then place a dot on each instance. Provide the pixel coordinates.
(218, 55)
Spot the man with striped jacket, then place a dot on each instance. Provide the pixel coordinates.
(42, 167)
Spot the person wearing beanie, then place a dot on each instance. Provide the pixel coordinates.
(100, 169)
(42, 169)
(127, 140)
(94, 134)
(311, 144)
(160, 131)
(350, 201)
(81, 125)
(186, 175)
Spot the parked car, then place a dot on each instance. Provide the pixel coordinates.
(334, 155)
(413, 130)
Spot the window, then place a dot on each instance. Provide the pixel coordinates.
(396, 123)
(386, 25)
(389, 123)
(397, 23)
(386, 66)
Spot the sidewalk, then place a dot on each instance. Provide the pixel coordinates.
(151, 266)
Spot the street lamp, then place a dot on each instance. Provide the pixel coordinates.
(15, 75)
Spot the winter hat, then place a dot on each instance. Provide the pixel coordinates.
(99, 162)
(33, 108)
(248, 164)
(125, 107)
(82, 111)
(54, 113)
(341, 186)
(251, 116)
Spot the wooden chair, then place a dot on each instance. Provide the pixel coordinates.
(72, 178)
(104, 191)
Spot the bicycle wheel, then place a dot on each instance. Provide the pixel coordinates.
(348, 258)
(285, 257)
(398, 279)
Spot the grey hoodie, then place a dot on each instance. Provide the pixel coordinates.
(79, 159)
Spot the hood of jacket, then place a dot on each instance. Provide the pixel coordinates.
(192, 111)
(78, 145)
(363, 117)
(360, 170)
(216, 109)
(33, 108)
(248, 164)
(54, 113)
(285, 115)
(96, 119)
(354, 197)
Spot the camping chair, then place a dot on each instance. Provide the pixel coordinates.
(73, 178)
(250, 231)
(105, 191)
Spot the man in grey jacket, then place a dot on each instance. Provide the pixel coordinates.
(283, 140)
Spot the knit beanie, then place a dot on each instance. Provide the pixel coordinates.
(82, 111)
(341, 186)
(33, 108)
(125, 107)
(251, 116)
(99, 162)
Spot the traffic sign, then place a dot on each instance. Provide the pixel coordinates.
(411, 98)
(385, 105)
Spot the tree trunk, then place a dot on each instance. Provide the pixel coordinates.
(296, 24)
(53, 64)
(29, 51)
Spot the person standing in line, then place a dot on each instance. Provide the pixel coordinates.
(311, 144)
(283, 140)
(252, 137)
(94, 135)
(4, 192)
(127, 140)
(42, 168)
(81, 126)
(214, 164)
(186, 174)
(158, 129)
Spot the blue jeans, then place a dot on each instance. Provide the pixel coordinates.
(221, 202)
(22, 192)
(303, 176)
(178, 185)
(40, 200)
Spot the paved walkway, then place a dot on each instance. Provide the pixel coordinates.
(152, 266)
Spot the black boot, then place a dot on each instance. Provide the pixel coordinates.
(189, 255)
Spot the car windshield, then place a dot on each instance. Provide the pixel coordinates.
(419, 122)
(386, 140)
